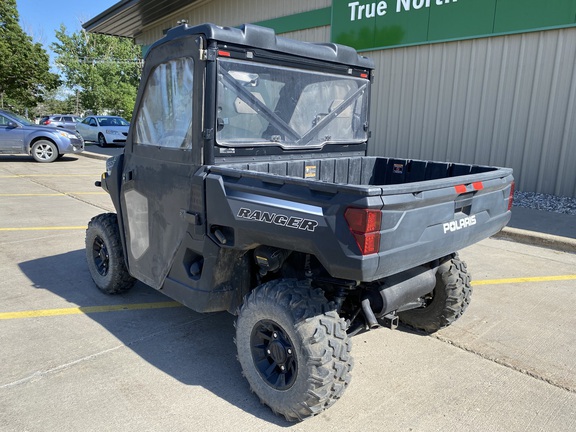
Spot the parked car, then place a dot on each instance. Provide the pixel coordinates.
(43, 143)
(104, 129)
(64, 121)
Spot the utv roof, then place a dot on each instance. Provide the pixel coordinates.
(253, 36)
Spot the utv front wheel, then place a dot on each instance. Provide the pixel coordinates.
(293, 349)
(105, 256)
(447, 302)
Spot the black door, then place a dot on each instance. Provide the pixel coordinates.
(162, 153)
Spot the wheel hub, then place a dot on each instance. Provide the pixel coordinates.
(100, 255)
(278, 352)
(273, 355)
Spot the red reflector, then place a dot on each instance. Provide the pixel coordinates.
(223, 53)
(460, 189)
(368, 243)
(365, 226)
(363, 220)
(511, 196)
(478, 186)
(364, 75)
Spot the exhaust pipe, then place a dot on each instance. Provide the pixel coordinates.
(369, 314)
(396, 291)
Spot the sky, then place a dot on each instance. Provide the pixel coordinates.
(41, 19)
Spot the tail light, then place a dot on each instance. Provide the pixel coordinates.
(511, 197)
(47, 122)
(365, 226)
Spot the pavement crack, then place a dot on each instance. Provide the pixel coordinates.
(504, 363)
(41, 374)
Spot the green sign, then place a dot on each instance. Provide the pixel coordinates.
(367, 25)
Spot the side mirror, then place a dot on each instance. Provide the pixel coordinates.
(12, 125)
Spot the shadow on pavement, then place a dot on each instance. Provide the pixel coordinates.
(196, 349)
(29, 159)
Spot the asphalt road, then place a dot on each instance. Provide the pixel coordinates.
(109, 150)
(74, 359)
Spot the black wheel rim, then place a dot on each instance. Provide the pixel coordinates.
(274, 355)
(100, 256)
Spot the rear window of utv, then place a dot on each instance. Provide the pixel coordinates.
(292, 108)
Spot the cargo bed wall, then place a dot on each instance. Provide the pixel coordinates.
(363, 170)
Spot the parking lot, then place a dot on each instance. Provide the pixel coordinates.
(74, 359)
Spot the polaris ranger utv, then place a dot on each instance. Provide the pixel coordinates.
(245, 186)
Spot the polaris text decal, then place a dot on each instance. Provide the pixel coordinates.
(278, 219)
(459, 224)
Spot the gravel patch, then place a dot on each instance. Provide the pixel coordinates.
(545, 202)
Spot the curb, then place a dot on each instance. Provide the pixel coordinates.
(562, 244)
(93, 155)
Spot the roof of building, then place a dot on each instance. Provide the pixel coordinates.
(127, 18)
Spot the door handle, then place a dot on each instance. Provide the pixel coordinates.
(128, 176)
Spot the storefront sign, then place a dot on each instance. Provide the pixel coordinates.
(368, 25)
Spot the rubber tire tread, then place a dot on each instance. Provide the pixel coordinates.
(117, 280)
(101, 142)
(319, 338)
(451, 297)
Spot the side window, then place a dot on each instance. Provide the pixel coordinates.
(93, 122)
(3, 121)
(165, 115)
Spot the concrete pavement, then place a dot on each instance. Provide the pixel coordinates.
(541, 228)
(73, 359)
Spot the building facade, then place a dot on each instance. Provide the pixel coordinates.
(485, 82)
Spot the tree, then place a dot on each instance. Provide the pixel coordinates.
(25, 75)
(60, 100)
(105, 70)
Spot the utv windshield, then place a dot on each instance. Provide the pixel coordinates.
(267, 105)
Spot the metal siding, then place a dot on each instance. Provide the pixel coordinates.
(317, 34)
(231, 13)
(508, 101)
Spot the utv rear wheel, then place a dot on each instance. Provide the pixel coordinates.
(448, 301)
(293, 348)
(105, 256)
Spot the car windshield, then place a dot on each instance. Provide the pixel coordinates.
(112, 121)
(263, 105)
(21, 119)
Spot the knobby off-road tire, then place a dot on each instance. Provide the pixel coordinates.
(293, 348)
(105, 256)
(448, 301)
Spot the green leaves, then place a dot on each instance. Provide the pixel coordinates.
(104, 69)
(25, 74)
